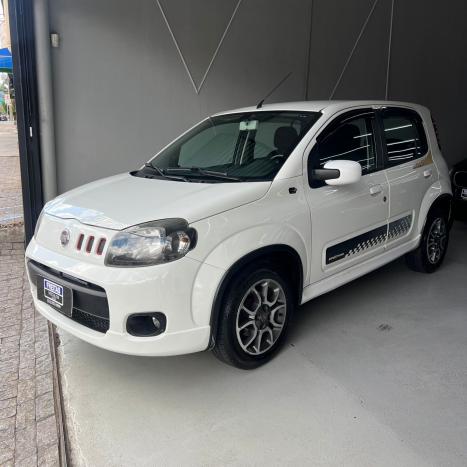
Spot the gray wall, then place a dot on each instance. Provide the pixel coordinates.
(428, 59)
(122, 91)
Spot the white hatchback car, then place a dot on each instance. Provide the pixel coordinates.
(252, 212)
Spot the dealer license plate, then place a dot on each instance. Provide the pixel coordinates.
(55, 295)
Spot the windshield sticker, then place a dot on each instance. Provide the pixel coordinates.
(249, 125)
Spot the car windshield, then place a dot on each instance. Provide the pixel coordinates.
(250, 146)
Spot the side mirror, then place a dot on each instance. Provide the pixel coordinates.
(339, 172)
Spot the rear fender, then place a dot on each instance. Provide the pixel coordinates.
(440, 190)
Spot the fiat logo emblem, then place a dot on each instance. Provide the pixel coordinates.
(65, 237)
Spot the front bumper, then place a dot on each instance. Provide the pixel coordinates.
(165, 288)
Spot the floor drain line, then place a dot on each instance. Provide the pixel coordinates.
(58, 400)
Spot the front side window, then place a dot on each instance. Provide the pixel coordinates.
(352, 140)
(403, 136)
(234, 147)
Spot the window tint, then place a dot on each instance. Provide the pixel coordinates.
(267, 137)
(246, 146)
(404, 137)
(352, 140)
(220, 140)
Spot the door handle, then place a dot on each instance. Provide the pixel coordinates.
(427, 173)
(375, 190)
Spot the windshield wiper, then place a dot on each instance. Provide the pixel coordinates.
(148, 165)
(202, 172)
(161, 172)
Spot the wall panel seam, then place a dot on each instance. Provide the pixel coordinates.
(386, 92)
(198, 87)
(362, 30)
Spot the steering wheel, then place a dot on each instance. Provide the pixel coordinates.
(277, 156)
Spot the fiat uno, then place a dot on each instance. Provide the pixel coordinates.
(216, 240)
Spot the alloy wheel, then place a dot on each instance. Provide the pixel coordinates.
(261, 317)
(436, 241)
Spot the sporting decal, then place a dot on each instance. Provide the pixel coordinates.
(368, 241)
(427, 160)
(399, 227)
(356, 245)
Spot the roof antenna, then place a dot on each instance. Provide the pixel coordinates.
(260, 103)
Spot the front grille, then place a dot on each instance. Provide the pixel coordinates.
(91, 244)
(90, 305)
(90, 321)
(63, 277)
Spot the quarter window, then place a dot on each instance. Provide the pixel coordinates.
(352, 140)
(404, 137)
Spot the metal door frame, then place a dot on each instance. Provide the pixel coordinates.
(27, 109)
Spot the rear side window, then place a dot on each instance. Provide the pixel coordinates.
(403, 136)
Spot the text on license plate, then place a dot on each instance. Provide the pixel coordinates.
(53, 292)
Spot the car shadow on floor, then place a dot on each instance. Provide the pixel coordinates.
(393, 287)
(346, 300)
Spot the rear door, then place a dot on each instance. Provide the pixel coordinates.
(409, 168)
(349, 223)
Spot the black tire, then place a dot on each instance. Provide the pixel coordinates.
(423, 259)
(228, 345)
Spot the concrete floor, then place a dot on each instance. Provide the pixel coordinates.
(374, 374)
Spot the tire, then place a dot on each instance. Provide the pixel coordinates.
(430, 254)
(250, 332)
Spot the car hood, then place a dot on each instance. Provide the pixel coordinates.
(124, 200)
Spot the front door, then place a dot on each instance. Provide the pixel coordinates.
(349, 223)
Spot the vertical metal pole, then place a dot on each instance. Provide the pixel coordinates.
(45, 98)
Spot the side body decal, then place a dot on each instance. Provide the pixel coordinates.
(368, 241)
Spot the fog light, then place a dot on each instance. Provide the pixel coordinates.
(146, 324)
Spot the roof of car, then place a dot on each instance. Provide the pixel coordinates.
(319, 106)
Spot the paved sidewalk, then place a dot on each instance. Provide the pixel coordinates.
(10, 178)
(28, 429)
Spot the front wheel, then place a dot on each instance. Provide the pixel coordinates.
(433, 246)
(254, 318)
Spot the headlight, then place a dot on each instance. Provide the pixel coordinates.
(151, 243)
(38, 224)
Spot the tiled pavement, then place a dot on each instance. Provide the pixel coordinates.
(10, 179)
(28, 428)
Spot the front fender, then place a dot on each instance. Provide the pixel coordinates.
(242, 243)
(218, 262)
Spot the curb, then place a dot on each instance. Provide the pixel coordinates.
(58, 399)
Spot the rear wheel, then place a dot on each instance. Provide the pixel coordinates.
(433, 246)
(254, 319)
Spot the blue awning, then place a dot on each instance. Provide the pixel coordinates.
(6, 64)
